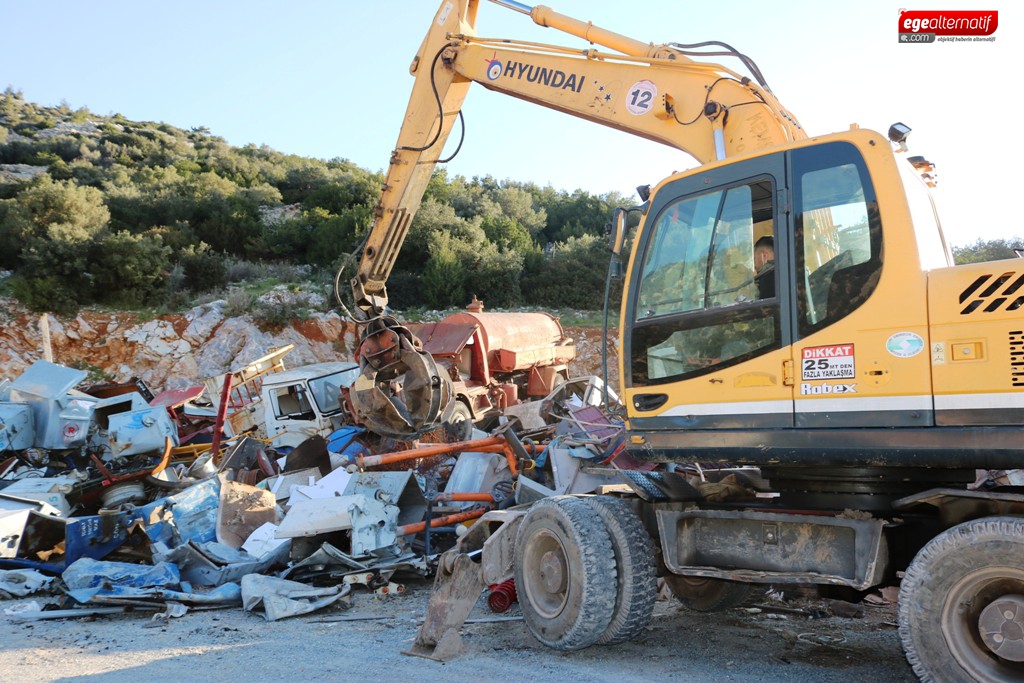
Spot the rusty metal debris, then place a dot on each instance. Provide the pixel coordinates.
(456, 588)
(281, 598)
(498, 360)
(260, 489)
(21, 582)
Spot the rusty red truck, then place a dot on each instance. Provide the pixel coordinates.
(497, 360)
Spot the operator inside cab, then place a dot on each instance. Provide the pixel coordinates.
(764, 267)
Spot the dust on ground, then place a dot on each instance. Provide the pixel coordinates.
(232, 645)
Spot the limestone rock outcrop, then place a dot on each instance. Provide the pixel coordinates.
(180, 350)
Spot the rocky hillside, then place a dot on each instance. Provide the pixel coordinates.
(179, 350)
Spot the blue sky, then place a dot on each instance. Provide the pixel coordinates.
(330, 79)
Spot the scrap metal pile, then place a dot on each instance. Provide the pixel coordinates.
(125, 500)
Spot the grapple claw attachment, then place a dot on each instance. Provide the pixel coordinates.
(401, 392)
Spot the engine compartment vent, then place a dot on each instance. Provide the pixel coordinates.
(990, 293)
(1017, 358)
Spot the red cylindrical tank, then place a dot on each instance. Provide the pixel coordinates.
(519, 333)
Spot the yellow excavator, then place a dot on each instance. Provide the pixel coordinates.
(789, 304)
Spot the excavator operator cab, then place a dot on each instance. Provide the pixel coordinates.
(701, 260)
(736, 264)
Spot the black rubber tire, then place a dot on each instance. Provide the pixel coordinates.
(949, 583)
(460, 425)
(710, 595)
(565, 573)
(637, 581)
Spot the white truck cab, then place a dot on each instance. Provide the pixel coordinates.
(304, 402)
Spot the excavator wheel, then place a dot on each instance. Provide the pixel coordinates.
(702, 594)
(637, 579)
(565, 573)
(961, 606)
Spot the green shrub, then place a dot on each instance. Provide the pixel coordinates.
(241, 270)
(444, 276)
(404, 290)
(45, 294)
(494, 277)
(333, 237)
(239, 302)
(204, 269)
(129, 270)
(278, 315)
(987, 250)
(573, 276)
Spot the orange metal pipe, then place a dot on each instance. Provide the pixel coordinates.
(192, 451)
(111, 477)
(417, 527)
(465, 497)
(427, 451)
(531, 449)
(491, 444)
(162, 465)
(513, 464)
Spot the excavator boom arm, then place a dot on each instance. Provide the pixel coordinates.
(436, 100)
(703, 110)
(652, 91)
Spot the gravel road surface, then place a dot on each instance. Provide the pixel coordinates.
(231, 645)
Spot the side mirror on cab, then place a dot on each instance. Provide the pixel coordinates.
(618, 234)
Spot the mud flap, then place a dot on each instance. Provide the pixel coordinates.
(457, 587)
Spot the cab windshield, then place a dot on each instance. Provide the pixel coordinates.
(326, 389)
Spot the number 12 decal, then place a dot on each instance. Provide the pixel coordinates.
(640, 97)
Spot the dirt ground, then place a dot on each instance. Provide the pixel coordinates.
(232, 645)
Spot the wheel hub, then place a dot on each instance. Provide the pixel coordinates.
(1001, 625)
(552, 572)
(546, 580)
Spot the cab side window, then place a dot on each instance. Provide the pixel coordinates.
(838, 234)
(292, 401)
(706, 296)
